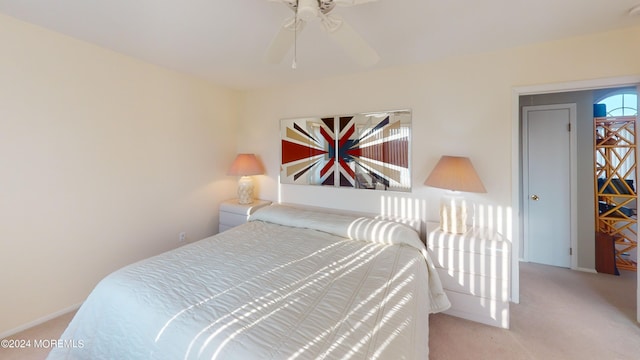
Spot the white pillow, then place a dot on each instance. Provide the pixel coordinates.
(351, 227)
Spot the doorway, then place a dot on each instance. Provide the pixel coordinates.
(517, 187)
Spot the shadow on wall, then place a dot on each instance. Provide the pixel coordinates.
(492, 217)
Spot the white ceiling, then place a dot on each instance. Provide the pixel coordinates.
(225, 40)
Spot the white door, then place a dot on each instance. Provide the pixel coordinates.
(547, 177)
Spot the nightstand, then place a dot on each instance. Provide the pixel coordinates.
(234, 214)
(475, 272)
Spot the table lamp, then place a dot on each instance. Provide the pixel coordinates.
(244, 166)
(455, 173)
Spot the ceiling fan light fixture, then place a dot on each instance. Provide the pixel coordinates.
(307, 9)
(352, 43)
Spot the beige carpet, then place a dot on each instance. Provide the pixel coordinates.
(563, 314)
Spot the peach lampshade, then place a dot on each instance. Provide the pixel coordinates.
(246, 165)
(454, 173)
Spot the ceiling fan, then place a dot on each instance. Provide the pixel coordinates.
(306, 10)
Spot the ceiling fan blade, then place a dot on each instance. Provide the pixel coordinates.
(352, 43)
(291, 4)
(283, 41)
(351, 2)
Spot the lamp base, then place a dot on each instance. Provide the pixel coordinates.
(453, 214)
(245, 190)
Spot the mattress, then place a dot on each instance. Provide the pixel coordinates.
(289, 284)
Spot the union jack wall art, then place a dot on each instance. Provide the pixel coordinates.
(363, 151)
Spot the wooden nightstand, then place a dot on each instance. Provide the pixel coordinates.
(475, 271)
(234, 214)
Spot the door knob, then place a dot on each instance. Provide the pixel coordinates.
(535, 197)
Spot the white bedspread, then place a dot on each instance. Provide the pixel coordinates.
(264, 291)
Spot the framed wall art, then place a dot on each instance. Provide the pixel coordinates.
(361, 151)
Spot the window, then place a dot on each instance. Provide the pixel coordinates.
(624, 103)
(621, 102)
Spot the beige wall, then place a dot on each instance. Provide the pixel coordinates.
(103, 161)
(461, 106)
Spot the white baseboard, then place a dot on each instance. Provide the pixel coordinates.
(592, 271)
(39, 321)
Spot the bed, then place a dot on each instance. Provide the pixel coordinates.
(288, 284)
